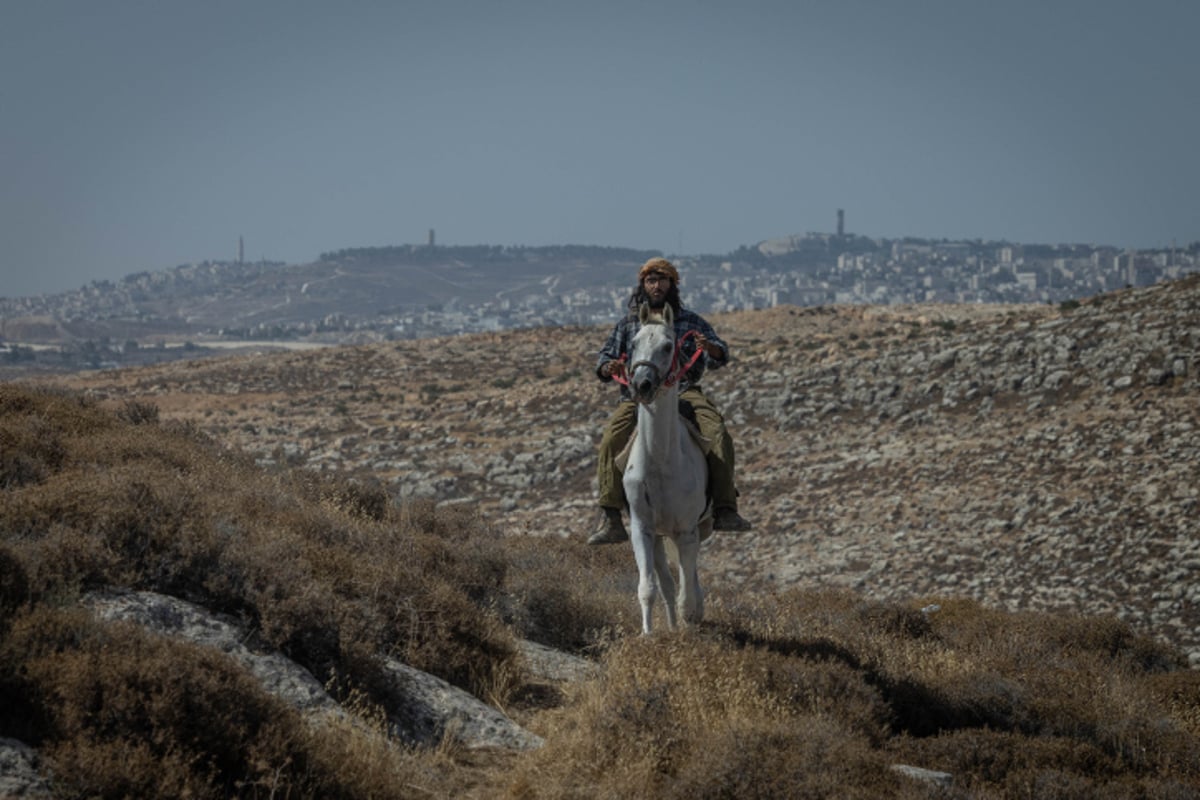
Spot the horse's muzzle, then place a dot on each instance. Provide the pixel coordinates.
(644, 382)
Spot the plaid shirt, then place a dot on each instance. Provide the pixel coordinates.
(621, 339)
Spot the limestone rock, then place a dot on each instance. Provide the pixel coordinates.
(432, 707)
(19, 776)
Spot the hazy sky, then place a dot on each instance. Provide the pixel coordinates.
(141, 135)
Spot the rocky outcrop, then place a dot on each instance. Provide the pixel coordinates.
(171, 616)
(939, 779)
(433, 709)
(19, 775)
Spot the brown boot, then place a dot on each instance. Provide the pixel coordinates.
(728, 519)
(610, 530)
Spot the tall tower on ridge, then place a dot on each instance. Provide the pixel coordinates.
(841, 223)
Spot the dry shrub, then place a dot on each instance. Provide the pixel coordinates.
(14, 585)
(1080, 697)
(683, 715)
(1179, 694)
(1108, 639)
(804, 619)
(569, 597)
(72, 412)
(124, 713)
(1086, 678)
(118, 712)
(28, 451)
(988, 757)
(366, 763)
(1033, 704)
(137, 412)
(797, 694)
(328, 589)
(355, 498)
(61, 562)
(1115, 717)
(140, 526)
(1017, 639)
(990, 763)
(808, 757)
(165, 450)
(830, 688)
(33, 425)
(459, 546)
(322, 568)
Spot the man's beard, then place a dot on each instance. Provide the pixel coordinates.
(657, 305)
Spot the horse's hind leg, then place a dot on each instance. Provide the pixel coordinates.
(666, 581)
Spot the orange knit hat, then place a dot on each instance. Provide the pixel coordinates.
(662, 267)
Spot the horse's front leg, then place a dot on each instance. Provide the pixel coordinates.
(641, 535)
(691, 595)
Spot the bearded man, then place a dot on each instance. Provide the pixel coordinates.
(658, 286)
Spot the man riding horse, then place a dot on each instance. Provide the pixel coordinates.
(658, 285)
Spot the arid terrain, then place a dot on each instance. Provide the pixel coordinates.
(1029, 457)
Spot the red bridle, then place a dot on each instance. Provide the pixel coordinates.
(677, 370)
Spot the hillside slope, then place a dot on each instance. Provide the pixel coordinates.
(1028, 457)
(877, 446)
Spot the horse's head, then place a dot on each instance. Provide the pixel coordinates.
(652, 354)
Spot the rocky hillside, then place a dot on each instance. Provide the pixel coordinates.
(1031, 457)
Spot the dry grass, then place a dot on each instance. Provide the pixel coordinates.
(814, 694)
(797, 694)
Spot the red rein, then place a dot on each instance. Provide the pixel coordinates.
(677, 371)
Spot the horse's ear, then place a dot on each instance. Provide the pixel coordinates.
(668, 316)
(643, 313)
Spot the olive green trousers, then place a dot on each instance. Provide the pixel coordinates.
(719, 452)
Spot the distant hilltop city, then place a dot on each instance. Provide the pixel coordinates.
(423, 290)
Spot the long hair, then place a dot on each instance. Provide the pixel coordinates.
(639, 297)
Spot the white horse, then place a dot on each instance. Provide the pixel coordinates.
(666, 476)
